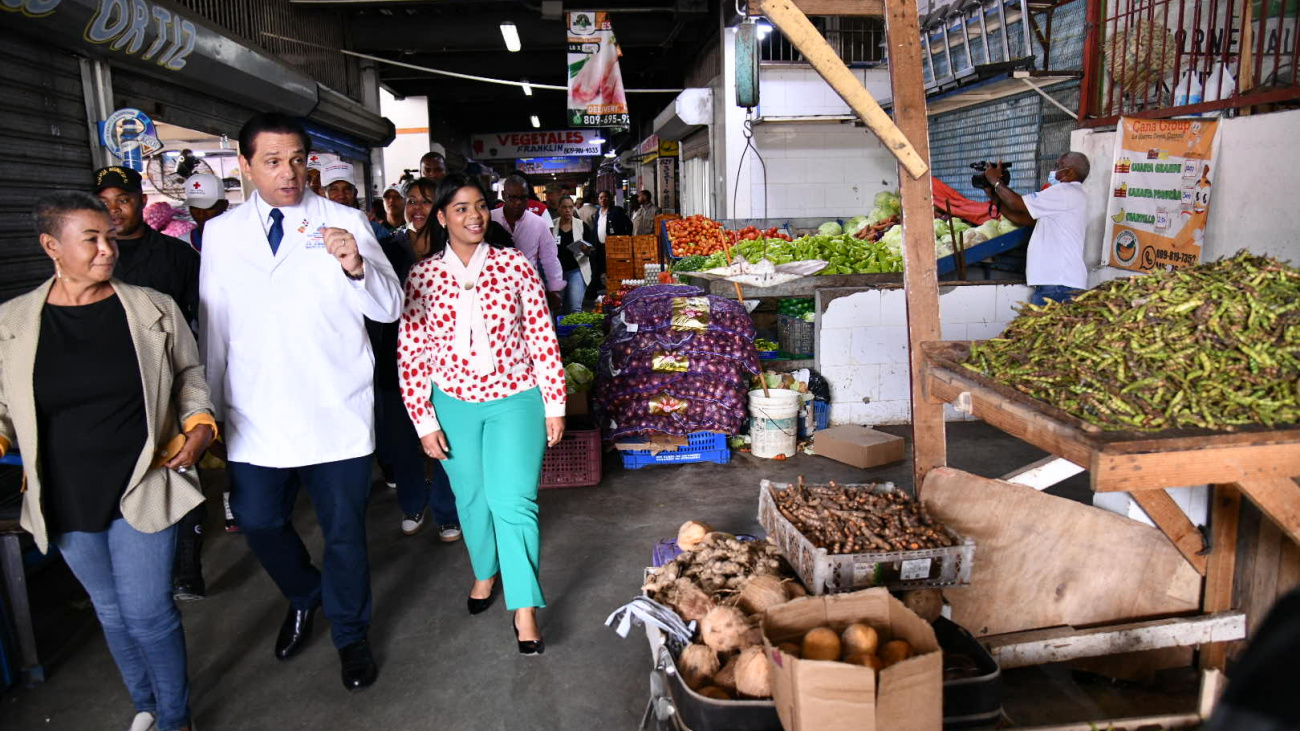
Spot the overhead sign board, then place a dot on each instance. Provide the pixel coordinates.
(543, 165)
(561, 143)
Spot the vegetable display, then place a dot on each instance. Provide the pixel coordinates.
(844, 254)
(859, 520)
(582, 318)
(765, 345)
(801, 307)
(1215, 346)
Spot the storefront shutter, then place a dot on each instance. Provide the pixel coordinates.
(178, 104)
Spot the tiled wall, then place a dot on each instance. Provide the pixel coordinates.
(862, 345)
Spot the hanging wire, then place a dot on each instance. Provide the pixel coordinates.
(748, 132)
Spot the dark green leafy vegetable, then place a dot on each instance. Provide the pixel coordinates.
(692, 263)
(582, 318)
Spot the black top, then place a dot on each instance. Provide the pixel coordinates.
(616, 222)
(163, 263)
(89, 413)
(567, 261)
(383, 335)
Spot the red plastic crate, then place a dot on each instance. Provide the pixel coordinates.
(574, 462)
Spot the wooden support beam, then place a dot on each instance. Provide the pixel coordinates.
(1044, 473)
(1279, 498)
(1173, 522)
(795, 26)
(1225, 513)
(841, 8)
(1172, 720)
(1113, 471)
(1040, 647)
(920, 280)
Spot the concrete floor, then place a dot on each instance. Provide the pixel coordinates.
(443, 669)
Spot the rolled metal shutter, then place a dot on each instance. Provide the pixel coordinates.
(696, 145)
(1006, 129)
(179, 105)
(45, 142)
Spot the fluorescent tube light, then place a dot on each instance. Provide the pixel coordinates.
(511, 35)
(537, 123)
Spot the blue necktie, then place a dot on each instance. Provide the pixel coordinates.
(277, 230)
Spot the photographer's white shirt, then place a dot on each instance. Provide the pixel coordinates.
(1056, 245)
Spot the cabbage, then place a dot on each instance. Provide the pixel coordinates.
(890, 202)
(830, 228)
(577, 378)
(856, 224)
(893, 238)
(1005, 226)
(972, 237)
(989, 229)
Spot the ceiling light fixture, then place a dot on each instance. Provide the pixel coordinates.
(611, 153)
(511, 35)
(528, 88)
(597, 140)
(537, 123)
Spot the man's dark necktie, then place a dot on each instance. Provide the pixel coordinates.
(277, 230)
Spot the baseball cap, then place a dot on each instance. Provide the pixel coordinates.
(116, 176)
(336, 171)
(397, 188)
(203, 190)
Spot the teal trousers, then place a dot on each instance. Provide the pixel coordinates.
(494, 464)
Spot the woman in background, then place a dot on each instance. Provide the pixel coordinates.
(575, 254)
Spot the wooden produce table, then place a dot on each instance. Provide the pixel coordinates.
(1259, 462)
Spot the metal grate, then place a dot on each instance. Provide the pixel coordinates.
(856, 40)
(1006, 129)
(253, 19)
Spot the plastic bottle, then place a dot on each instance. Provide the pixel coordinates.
(1220, 85)
(1189, 91)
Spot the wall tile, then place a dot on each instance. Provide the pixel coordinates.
(850, 384)
(984, 330)
(894, 382)
(879, 345)
(893, 307)
(835, 348)
(1007, 296)
(884, 412)
(858, 310)
(976, 303)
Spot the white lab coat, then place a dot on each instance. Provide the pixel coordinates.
(283, 336)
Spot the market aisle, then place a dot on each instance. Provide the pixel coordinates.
(440, 667)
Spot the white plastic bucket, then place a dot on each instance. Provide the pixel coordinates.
(774, 422)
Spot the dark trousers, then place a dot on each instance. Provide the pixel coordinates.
(262, 499)
(400, 449)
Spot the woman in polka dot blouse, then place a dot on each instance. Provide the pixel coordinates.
(482, 380)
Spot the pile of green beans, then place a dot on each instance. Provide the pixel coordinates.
(1215, 346)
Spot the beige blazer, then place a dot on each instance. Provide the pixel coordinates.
(175, 395)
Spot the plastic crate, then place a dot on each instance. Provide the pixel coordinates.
(645, 248)
(824, 573)
(701, 446)
(617, 267)
(574, 462)
(817, 416)
(795, 335)
(619, 247)
(769, 354)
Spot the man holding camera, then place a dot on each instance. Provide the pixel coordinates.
(1059, 215)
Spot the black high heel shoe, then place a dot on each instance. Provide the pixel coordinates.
(529, 647)
(478, 606)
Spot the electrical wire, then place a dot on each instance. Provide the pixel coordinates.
(748, 132)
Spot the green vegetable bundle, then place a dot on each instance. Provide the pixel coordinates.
(1215, 346)
(692, 263)
(583, 318)
(795, 306)
(842, 253)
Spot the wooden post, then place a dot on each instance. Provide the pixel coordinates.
(1225, 510)
(920, 282)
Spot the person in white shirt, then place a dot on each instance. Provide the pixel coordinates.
(1059, 215)
(532, 236)
(287, 282)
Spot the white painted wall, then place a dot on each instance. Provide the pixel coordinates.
(862, 345)
(411, 117)
(1254, 204)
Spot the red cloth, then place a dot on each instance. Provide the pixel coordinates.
(976, 212)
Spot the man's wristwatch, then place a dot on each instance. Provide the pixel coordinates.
(356, 277)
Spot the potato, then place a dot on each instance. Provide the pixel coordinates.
(754, 673)
(866, 659)
(714, 692)
(859, 639)
(691, 534)
(821, 644)
(790, 648)
(724, 629)
(895, 652)
(698, 664)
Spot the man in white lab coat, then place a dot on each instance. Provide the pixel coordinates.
(287, 281)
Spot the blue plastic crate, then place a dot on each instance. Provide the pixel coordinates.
(700, 447)
(821, 418)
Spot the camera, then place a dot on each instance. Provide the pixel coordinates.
(979, 181)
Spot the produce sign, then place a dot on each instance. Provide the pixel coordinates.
(1215, 346)
(859, 520)
(1160, 192)
(596, 97)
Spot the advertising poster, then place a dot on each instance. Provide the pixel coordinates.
(1160, 192)
(560, 143)
(129, 135)
(596, 97)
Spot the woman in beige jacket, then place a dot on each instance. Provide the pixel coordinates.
(102, 393)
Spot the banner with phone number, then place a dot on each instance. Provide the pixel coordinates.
(596, 97)
(1160, 192)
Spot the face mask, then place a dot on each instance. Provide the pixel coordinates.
(1052, 179)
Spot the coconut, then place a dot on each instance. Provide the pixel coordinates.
(754, 674)
(724, 628)
(859, 639)
(759, 593)
(895, 652)
(822, 643)
(926, 603)
(714, 692)
(726, 677)
(691, 534)
(698, 664)
(795, 590)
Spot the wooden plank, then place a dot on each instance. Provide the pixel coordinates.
(1213, 683)
(1044, 473)
(1171, 519)
(841, 8)
(1268, 464)
(1225, 516)
(1044, 561)
(903, 145)
(1279, 498)
(1040, 647)
(920, 281)
(1173, 720)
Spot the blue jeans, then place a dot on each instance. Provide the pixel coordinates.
(262, 499)
(1054, 292)
(575, 289)
(128, 575)
(401, 448)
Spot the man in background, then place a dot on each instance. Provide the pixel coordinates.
(433, 166)
(643, 219)
(205, 195)
(532, 236)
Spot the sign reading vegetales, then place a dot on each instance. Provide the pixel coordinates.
(1160, 192)
(596, 97)
(558, 143)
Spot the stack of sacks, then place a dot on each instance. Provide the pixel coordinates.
(676, 361)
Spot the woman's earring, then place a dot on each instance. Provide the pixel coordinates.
(58, 273)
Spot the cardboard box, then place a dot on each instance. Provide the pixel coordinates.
(815, 695)
(860, 446)
(575, 404)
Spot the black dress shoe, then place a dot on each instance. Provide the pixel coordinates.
(294, 632)
(478, 606)
(359, 669)
(530, 647)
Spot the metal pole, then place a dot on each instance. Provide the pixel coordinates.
(1024, 22)
(984, 32)
(1006, 38)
